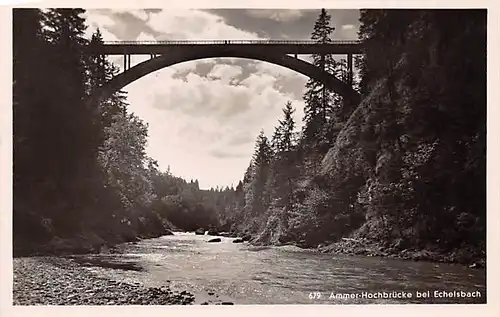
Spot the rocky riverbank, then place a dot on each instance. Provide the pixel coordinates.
(370, 248)
(365, 247)
(61, 281)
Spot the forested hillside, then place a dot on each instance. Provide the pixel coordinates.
(407, 170)
(81, 175)
(403, 171)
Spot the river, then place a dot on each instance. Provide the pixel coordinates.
(246, 274)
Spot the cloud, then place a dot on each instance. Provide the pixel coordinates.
(224, 154)
(102, 21)
(276, 15)
(259, 82)
(348, 31)
(348, 26)
(198, 121)
(145, 37)
(139, 14)
(195, 24)
(242, 138)
(225, 73)
(204, 115)
(288, 24)
(198, 96)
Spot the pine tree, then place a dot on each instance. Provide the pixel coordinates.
(73, 134)
(100, 71)
(256, 193)
(275, 140)
(320, 106)
(286, 128)
(263, 153)
(285, 167)
(28, 68)
(30, 95)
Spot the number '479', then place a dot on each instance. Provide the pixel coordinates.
(315, 295)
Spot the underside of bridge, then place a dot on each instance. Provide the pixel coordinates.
(175, 55)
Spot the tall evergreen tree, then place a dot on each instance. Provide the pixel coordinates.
(284, 171)
(256, 195)
(320, 107)
(262, 155)
(285, 138)
(73, 134)
(31, 93)
(100, 71)
(28, 68)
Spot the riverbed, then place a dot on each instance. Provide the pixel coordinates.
(244, 274)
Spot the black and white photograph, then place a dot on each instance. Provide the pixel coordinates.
(319, 156)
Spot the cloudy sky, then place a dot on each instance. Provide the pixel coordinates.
(204, 115)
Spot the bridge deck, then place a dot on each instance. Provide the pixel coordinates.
(277, 46)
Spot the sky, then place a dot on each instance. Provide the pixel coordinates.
(204, 116)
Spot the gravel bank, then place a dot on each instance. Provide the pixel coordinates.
(60, 281)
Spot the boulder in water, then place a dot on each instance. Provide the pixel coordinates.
(238, 240)
(214, 240)
(212, 232)
(200, 232)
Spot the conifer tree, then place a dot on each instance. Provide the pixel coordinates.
(286, 128)
(284, 169)
(256, 195)
(74, 135)
(99, 71)
(30, 94)
(319, 100)
(28, 68)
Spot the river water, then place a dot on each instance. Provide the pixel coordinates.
(245, 274)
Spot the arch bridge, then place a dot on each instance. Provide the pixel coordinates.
(280, 52)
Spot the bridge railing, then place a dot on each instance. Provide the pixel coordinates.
(222, 42)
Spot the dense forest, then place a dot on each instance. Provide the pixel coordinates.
(81, 175)
(405, 170)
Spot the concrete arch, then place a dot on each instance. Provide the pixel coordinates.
(173, 57)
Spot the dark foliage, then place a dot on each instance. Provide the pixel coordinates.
(81, 175)
(406, 169)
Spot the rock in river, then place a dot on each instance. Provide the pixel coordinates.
(212, 232)
(238, 240)
(214, 240)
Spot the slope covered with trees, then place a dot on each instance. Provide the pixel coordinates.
(406, 174)
(81, 175)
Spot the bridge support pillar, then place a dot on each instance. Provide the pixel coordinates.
(126, 62)
(349, 69)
